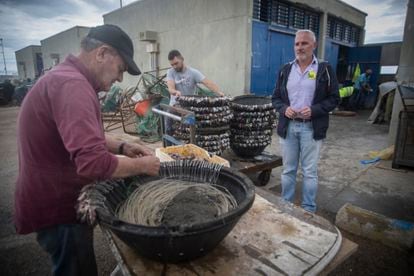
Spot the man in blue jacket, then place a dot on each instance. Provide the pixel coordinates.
(305, 93)
(361, 89)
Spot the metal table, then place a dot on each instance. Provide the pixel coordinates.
(262, 164)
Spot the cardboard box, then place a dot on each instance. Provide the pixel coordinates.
(189, 150)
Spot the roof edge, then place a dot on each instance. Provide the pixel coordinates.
(28, 46)
(352, 7)
(74, 27)
(123, 7)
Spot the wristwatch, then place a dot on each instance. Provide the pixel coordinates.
(121, 148)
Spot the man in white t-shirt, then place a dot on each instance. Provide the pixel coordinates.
(182, 79)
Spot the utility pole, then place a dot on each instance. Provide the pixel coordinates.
(4, 59)
(120, 2)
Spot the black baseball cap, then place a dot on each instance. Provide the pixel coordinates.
(119, 40)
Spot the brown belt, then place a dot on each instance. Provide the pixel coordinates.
(301, 120)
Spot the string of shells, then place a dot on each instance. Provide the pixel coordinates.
(254, 120)
(213, 116)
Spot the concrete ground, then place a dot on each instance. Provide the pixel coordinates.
(341, 177)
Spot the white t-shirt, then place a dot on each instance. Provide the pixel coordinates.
(185, 81)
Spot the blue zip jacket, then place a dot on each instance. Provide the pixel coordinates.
(326, 98)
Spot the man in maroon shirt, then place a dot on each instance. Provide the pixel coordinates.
(62, 147)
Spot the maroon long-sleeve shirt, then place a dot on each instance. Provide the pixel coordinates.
(61, 146)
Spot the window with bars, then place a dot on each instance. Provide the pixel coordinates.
(313, 23)
(289, 16)
(285, 15)
(280, 14)
(261, 10)
(338, 31)
(298, 19)
(329, 28)
(347, 33)
(341, 31)
(354, 35)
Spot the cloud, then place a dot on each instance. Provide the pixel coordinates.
(396, 7)
(41, 8)
(35, 20)
(104, 5)
(26, 22)
(385, 20)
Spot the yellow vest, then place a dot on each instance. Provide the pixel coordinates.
(346, 91)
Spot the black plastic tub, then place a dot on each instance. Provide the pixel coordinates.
(182, 242)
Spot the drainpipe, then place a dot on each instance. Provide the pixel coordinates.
(153, 50)
(323, 24)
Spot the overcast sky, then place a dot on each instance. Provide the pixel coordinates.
(26, 22)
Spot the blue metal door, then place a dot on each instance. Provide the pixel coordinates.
(331, 53)
(270, 50)
(281, 52)
(260, 60)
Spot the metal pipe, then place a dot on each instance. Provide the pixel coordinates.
(164, 113)
(187, 117)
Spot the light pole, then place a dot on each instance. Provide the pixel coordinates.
(4, 59)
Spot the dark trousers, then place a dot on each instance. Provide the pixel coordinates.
(353, 101)
(357, 100)
(70, 247)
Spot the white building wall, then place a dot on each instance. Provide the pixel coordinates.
(57, 47)
(214, 36)
(26, 61)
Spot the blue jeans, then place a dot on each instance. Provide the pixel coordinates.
(70, 247)
(300, 145)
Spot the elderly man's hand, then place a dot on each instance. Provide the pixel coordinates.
(151, 165)
(135, 150)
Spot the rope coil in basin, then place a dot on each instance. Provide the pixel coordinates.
(173, 240)
(152, 204)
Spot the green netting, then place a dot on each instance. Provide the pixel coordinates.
(148, 127)
(112, 99)
(204, 91)
(153, 85)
